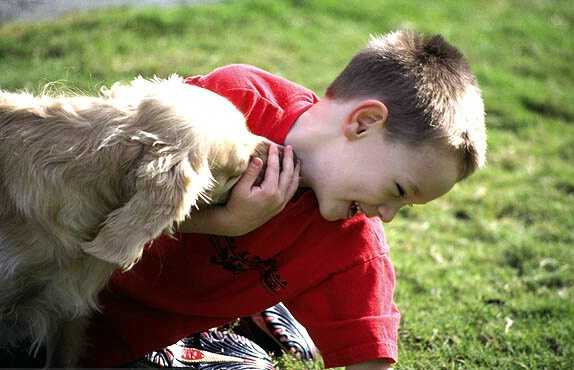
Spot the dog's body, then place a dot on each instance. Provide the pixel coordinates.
(86, 182)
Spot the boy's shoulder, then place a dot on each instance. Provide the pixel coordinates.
(233, 74)
(270, 103)
(246, 77)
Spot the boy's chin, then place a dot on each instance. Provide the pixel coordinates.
(330, 218)
(329, 214)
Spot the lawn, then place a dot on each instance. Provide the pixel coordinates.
(485, 274)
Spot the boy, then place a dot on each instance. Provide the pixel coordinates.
(400, 125)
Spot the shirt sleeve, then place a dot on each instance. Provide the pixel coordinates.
(359, 325)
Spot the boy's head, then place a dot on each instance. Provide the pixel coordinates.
(412, 123)
(428, 89)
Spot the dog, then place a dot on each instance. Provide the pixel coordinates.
(86, 182)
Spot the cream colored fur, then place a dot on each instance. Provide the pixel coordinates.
(86, 182)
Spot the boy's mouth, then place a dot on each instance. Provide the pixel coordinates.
(354, 209)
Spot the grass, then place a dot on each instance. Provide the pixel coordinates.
(486, 274)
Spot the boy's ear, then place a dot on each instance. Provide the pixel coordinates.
(367, 116)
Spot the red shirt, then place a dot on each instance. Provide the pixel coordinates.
(335, 277)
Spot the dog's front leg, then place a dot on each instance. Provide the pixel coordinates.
(160, 200)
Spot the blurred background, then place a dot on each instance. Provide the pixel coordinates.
(30, 10)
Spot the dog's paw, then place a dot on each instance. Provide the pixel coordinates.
(123, 252)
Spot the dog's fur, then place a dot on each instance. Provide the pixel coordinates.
(86, 182)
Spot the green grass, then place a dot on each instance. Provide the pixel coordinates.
(486, 274)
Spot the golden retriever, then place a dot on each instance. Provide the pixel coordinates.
(86, 182)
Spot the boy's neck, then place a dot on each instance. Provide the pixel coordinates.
(312, 135)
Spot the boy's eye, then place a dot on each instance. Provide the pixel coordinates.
(400, 190)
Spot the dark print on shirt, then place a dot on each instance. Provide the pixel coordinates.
(231, 260)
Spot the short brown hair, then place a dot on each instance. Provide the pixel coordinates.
(429, 89)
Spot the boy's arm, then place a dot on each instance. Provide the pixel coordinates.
(378, 364)
(250, 206)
